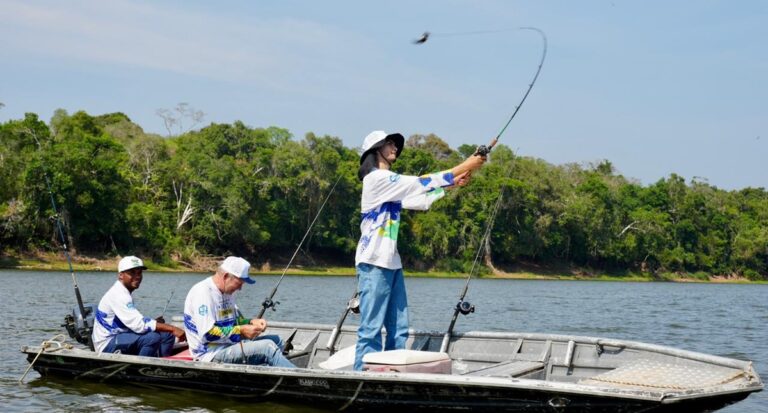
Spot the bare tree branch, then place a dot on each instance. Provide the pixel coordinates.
(173, 119)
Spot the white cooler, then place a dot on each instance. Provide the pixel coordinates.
(408, 361)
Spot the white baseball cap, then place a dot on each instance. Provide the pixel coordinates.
(130, 262)
(237, 267)
(376, 139)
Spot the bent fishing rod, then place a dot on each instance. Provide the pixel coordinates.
(483, 150)
(82, 334)
(464, 307)
(268, 302)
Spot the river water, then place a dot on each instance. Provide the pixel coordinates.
(722, 319)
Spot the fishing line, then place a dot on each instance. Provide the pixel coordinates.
(268, 303)
(485, 149)
(464, 307)
(426, 35)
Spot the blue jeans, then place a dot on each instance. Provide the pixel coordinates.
(152, 344)
(382, 303)
(261, 350)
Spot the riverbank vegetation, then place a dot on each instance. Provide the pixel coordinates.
(235, 189)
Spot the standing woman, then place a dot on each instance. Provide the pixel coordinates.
(380, 281)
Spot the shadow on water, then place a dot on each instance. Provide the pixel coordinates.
(53, 393)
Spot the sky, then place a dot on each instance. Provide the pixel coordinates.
(655, 87)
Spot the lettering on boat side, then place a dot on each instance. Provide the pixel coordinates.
(158, 372)
(315, 383)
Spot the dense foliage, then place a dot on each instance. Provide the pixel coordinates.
(230, 188)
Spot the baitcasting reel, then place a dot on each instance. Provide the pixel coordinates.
(354, 304)
(484, 150)
(268, 303)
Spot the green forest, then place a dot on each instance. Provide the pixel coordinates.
(235, 189)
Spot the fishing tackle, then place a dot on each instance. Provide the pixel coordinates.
(160, 318)
(79, 324)
(353, 305)
(268, 302)
(464, 307)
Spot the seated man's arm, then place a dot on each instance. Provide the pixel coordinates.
(177, 332)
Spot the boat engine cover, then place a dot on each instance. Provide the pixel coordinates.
(79, 326)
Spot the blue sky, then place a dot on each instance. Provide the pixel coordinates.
(656, 87)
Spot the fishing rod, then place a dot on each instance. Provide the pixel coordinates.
(268, 302)
(464, 307)
(483, 150)
(353, 305)
(76, 324)
(166, 306)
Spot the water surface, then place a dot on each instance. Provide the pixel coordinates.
(721, 319)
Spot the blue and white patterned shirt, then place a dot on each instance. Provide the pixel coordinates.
(117, 313)
(385, 194)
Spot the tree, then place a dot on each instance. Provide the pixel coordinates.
(431, 144)
(230, 188)
(19, 141)
(174, 119)
(86, 170)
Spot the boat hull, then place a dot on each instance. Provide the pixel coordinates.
(373, 391)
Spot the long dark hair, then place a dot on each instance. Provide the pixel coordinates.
(368, 164)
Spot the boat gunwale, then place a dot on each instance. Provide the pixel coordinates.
(611, 342)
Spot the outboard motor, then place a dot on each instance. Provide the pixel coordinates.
(79, 325)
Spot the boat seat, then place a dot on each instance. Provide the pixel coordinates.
(408, 361)
(512, 368)
(404, 357)
(182, 355)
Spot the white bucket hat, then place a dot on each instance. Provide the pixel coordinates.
(238, 267)
(376, 139)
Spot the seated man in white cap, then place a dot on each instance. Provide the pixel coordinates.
(120, 327)
(216, 330)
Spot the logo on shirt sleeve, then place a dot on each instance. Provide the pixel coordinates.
(130, 306)
(394, 178)
(202, 310)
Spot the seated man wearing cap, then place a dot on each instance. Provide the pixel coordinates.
(120, 327)
(215, 328)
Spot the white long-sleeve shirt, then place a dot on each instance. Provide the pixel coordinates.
(210, 320)
(385, 194)
(115, 314)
